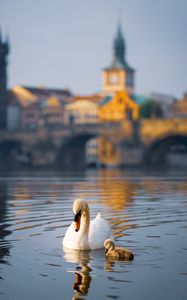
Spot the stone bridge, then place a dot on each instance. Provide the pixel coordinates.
(147, 142)
(57, 146)
(164, 139)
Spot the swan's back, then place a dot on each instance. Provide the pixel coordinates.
(100, 230)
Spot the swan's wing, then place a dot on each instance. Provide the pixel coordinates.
(100, 230)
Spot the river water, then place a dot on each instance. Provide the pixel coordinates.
(147, 212)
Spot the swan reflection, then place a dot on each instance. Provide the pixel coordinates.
(82, 274)
(82, 281)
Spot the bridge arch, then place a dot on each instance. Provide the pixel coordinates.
(12, 153)
(72, 152)
(159, 153)
(8, 151)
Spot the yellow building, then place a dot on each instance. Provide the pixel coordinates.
(118, 108)
(101, 152)
(108, 153)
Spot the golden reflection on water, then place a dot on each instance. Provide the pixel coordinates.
(109, 188)
(114, 191)
(118, 192)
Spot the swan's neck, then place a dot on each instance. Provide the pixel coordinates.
(85, 220)
(83, 242)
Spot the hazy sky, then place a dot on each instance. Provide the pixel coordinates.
(67, 43)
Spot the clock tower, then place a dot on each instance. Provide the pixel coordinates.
(4, 49)
(119, 76)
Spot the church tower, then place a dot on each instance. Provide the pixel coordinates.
(4, 50)
(119, 76)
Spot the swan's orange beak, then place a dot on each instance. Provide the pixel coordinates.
(77, 221)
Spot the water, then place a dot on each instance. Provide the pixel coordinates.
(147, 212)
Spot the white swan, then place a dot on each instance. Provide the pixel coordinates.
(83, 234)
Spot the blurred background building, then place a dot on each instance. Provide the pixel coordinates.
(118, 76)
(33, 109)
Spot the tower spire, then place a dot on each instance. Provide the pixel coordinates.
(119, 68)
(119, 16)
(7, 40)
(119, 46)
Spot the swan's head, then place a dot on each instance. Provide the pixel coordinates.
(109, 245)
(79, 207)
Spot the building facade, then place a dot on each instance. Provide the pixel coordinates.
(30, 108)
(81, 111)
(118, 108)
(52, 113)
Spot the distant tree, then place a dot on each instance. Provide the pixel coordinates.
(151, 109)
